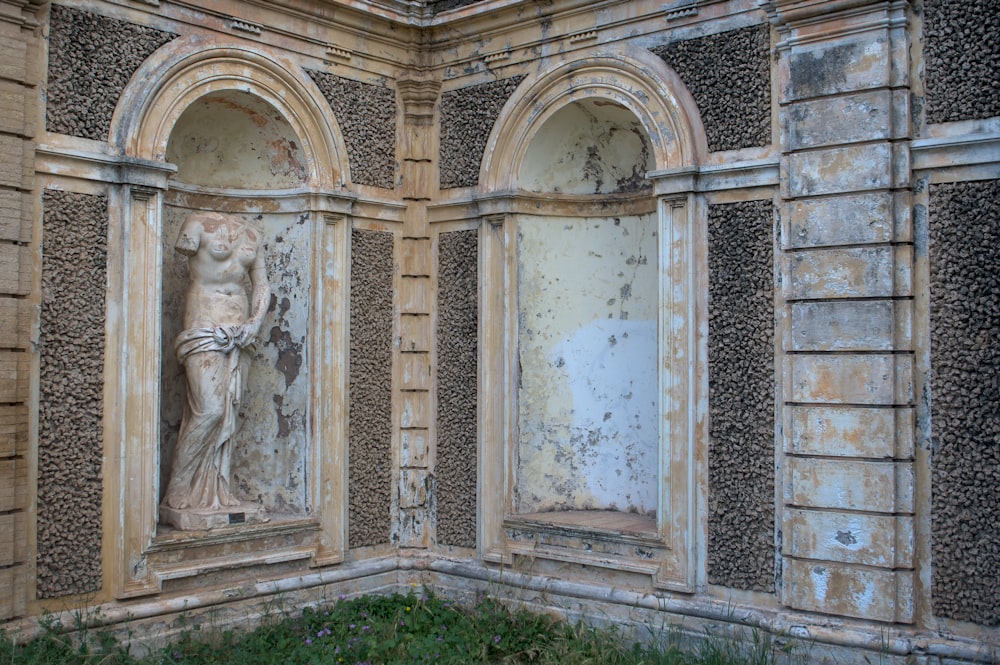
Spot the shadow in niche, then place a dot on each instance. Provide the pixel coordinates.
(235, 153)
(587, 327)
(610, 521)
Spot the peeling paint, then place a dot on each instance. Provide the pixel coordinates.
(588, 417)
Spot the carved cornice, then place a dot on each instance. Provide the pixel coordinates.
(419, 96)
(785, 12)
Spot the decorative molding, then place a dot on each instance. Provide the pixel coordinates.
(950, 152)
(494, 57)
(339, 53)
(245, 26)
(683, 9)
(419, 97)
(583, 36)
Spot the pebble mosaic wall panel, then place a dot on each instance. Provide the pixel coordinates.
(366, 114)
(962, 58)
(444, 5)
(964, 230)
(457, 352)
(71, 406)
(467, 118)
(729, 76)
(370, 410)
(741, 549)
(91, 59)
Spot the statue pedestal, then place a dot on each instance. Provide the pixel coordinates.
(203, 519)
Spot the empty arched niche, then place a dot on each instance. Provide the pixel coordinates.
(588, 407)
(236, 154)
(593, 146)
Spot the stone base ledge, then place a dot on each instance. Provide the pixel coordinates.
(204, 519)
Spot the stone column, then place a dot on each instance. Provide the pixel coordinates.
(19, 56)
(419, 95)
(847, 529)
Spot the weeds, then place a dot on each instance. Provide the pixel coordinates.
(413, 628)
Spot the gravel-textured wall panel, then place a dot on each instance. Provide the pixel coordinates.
(443, 5)
(741, 550)
(457, 346)
(729, 75)
(91, 59)
(71, 407)
(962, 58)
(366, 114)
(467, 118)
(370, 430)
(964, 229)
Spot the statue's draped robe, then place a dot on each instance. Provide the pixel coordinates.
(215, 368)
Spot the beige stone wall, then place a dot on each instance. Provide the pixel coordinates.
(832, 517)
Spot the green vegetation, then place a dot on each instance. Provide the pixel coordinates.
(412, 628)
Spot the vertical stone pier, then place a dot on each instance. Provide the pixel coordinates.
(419, 95)
(19, 58)
(848, 488)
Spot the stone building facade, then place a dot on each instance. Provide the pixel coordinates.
(645, 312)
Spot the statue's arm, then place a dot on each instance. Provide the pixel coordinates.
(259, 296)
(189, 237)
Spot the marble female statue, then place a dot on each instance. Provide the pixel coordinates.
(220, 322)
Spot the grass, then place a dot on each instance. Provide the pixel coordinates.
(412, 628)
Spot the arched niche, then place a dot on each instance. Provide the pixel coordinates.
(594, 375)
(241, 130)
(587, 294)
(236, 152)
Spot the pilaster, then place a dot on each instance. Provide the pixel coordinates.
(846, 271)
(419, 96)
(18, 293)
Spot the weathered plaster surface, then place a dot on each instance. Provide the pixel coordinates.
(370, 425)
(741, 550)
(91, 59)
(366, 114)
(729, 76)
(588, 147)
(71, 405)
(235, 140)
(457, 392)
(962, 58)
(837, 66)
(587, 342)
(270, 447)
(467, 118)
(964, 228)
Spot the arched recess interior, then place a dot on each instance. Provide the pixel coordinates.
(168, 84)
(644, 90)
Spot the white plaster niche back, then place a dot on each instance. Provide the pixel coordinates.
(237, 237)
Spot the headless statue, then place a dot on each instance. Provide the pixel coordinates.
(220, 321)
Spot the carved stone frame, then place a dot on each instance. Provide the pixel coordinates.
(644, 85)
(136, 562)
